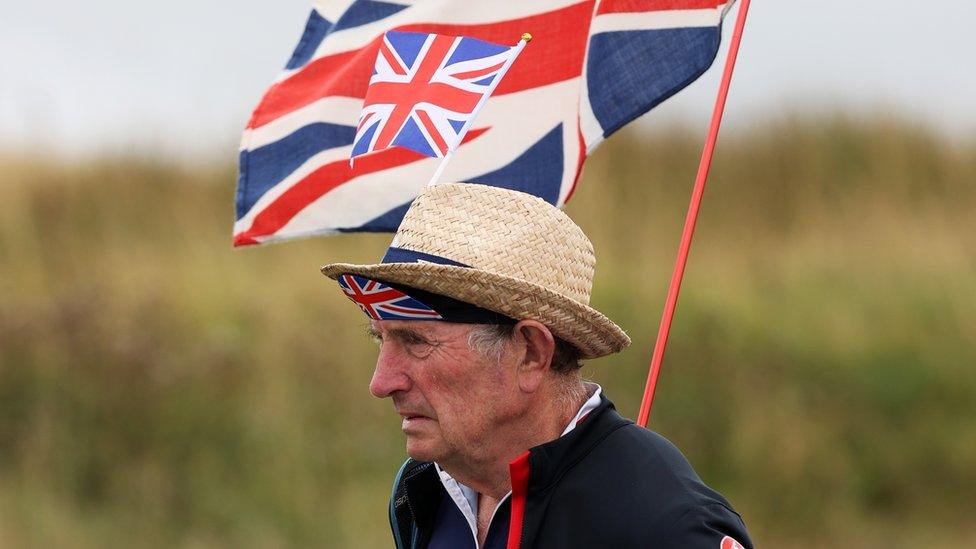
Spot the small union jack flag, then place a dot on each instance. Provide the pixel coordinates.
(425, 90)
(381, 302)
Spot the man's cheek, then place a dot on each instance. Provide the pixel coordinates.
(451, 388)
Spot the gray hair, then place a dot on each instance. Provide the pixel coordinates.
(491, 340)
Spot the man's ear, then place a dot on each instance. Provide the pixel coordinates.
(538, 344)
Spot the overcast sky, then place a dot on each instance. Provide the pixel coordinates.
(182, 76)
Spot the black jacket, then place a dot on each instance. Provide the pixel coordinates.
(608, 483)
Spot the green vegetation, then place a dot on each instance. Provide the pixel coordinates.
(159, 389)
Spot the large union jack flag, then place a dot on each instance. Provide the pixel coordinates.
(425, 90)
(592, 67)
(381, 302)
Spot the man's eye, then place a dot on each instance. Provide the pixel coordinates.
(419, 348)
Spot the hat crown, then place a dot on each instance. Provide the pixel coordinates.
(505, 232)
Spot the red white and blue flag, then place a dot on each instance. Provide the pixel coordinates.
(592, 67)
(381, 302)
(426, 90)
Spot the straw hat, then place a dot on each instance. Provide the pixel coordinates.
(501, 250)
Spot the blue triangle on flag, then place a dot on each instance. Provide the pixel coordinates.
(472, 48)
(456, 124)
(412, 138)
(485, 81)
(407, 44)
(362, 146)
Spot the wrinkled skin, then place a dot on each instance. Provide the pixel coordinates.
(457, 406)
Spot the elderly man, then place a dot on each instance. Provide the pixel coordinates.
(480, 307)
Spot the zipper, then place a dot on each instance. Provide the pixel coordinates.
(414, 531)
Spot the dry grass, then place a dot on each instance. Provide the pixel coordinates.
(160, 389)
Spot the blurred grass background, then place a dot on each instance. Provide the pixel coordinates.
(159, 389)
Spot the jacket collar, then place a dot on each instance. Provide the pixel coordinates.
(549, 461)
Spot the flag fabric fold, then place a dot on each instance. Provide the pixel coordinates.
(592, 67)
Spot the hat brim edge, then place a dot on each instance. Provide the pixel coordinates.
(589, 330)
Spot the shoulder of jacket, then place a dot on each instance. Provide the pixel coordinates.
(706, 524)
(630, 439)
(642, 462)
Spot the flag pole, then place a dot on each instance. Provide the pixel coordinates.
(691, 219)
(526, 38)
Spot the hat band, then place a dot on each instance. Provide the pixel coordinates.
(383, 301)
(403, 255)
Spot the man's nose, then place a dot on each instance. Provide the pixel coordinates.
(389, 375)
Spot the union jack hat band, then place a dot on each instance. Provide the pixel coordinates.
(496, 249)
(382, 301)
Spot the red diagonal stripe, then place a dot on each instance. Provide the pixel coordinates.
(432, 131)
(365, 119)
(395, 63)
(277, 214)
(478, 72)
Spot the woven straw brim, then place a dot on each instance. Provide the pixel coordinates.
(590, 331)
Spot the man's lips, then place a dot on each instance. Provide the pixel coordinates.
(414, 423)
(414, 415)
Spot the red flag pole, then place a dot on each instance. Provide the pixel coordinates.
(691, 219)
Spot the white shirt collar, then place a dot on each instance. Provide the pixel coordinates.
(588, 406)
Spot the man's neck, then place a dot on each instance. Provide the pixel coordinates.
(491, 475)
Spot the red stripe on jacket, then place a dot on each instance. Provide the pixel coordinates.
(519, 469)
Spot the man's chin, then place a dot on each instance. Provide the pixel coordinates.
(422, 449)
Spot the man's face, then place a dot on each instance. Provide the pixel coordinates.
(452, 399)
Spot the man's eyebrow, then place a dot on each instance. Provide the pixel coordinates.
(400, 334)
